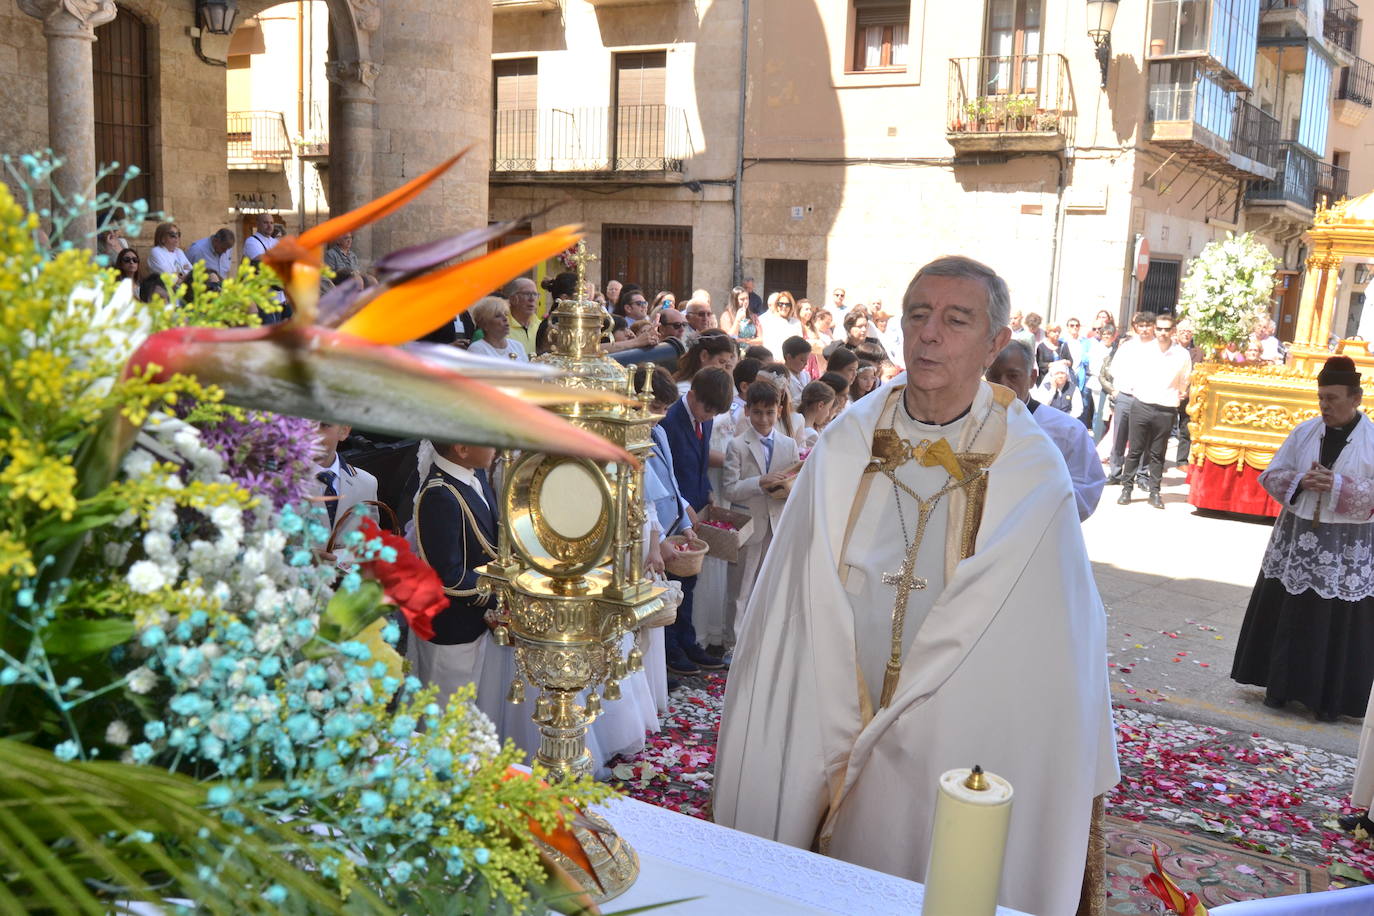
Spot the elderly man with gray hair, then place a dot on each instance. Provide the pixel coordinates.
(927, 604)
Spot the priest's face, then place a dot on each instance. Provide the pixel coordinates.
(948, 342)
(1338, 403)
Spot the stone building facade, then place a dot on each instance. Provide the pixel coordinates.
(878, 134)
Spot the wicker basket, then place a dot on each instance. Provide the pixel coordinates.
(684, 563)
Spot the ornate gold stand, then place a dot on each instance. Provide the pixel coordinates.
(569, 572)
(1242, 414)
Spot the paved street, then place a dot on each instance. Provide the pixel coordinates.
(1176, 584)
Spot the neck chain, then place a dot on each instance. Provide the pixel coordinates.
(905, 580)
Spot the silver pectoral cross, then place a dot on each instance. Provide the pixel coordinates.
(905, 581)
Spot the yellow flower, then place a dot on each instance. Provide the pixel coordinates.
(15, 558)
(46, 480)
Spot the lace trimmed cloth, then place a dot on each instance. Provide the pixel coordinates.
(1334, 560)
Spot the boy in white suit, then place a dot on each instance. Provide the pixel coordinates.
(753, 481)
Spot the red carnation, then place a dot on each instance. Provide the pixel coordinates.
(409, 582)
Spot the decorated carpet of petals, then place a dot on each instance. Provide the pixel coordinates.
(1252, 791)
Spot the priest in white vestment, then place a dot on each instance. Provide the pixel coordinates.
(838, 721)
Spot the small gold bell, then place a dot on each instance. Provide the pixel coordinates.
(517, 692)
(543, 709)
(612, 690)
(501, 635)
(593, 707)
(635, 660)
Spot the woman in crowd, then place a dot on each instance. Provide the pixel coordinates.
(822, 327)
(664, 300)
(166, 256)
(712, 350)
(816, 407)
(729, 319)
(1059, 391)
(1050, 350)
(840, 385)
(126, 263)
(806, 314)
(779, 322)
(492, 317)
(339, 256)
(1033, 322)
(1102, 348)
(747, 323)
(855, 328)
(1103, 319)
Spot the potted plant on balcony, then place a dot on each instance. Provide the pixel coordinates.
(979, 113)
(1045, 121)
(1018, 112)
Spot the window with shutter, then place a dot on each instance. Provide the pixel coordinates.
(1012, 47)
(123, 111)
(881, 33)
(640, 113)
(515, 113)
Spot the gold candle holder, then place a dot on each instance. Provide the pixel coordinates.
(569, 575)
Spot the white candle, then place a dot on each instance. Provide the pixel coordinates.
(967, 845)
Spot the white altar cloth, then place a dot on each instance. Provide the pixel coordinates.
(1353, 901)
(733, 872)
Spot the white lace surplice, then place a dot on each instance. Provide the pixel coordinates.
(1335, 558)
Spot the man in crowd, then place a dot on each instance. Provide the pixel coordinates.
(698, 312)
(524, 324)
(756, 306)
(1183, 336)
(674, 325)
(1014, 367)
(1117, 373)
(261, 241)
(928, 603)
(216, 252)
(1159, 379)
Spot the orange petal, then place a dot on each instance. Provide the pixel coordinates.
(413, 309)
(375, 210)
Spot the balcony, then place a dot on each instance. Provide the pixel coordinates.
(1288, 18)
(636, 141)
(1198, 121)
(1354, 93)
(1293, 188)
(1333, 183)
(1341, 24)
(1009, 104)
(1215, 34)
(257, 141)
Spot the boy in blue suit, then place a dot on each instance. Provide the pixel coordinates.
(455, 533)
(687, 428)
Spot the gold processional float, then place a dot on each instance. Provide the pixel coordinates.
(1241, 414)
(569, 573)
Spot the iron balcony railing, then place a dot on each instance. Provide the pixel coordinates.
(1356, 83)
(1296, 180)
(257, 140)
(624, 138)
(1255, 135)
(1009, 94)
(1333, 183)
(1340, 23)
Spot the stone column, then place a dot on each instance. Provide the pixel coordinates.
(69, 26)
(350, 143)
(433, 99)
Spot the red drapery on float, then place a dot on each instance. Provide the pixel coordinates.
(1221, 488)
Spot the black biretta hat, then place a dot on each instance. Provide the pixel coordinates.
(1339, 370)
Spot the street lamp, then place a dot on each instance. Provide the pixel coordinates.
(217, 16)
(1101, 16)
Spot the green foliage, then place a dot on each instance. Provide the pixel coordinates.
(79, 837)
(1227, 290)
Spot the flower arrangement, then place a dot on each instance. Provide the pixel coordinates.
(1227, 290)
(192, 707)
